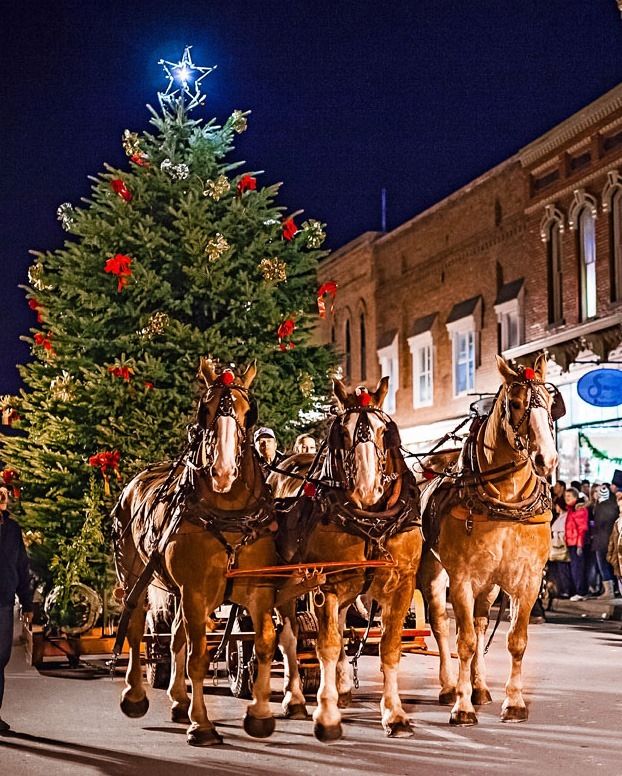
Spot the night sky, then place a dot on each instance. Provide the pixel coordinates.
(419, 97)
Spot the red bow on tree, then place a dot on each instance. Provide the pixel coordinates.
(9, 477)
(44, 340)
(34, 305)
(326, 289)
(141, 161)
(120, 188)
(121, 266)
(284, 332)
(124, 372)
(246, 183)
(107, 461)
(289, 229)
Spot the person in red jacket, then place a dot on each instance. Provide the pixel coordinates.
(576, 534)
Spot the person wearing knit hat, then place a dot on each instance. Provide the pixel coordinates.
(605, 515)
(616, 480)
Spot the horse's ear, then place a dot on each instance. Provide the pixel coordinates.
(505, 370)
(207, 371)
(380, 394)
(249, 374)
(540, 366)
(340, 392)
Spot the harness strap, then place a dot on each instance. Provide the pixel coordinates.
(131, 600)
(220, 649)
(500, 613)
(460, 512)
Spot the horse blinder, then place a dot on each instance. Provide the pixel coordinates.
(558, 407)
(335, 437)
(392, 437)
(251, 415)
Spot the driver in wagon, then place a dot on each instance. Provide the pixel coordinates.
(265, 444)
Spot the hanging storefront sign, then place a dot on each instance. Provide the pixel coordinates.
(601, 387)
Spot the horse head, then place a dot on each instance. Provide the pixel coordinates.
(529, 407)
(226, 415)
(364, 434)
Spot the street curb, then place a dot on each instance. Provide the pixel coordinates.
(592, 608)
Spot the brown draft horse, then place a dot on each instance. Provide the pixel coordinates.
(369, 508)
(494, 512)
(222, 514)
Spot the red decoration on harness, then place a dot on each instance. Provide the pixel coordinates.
(107, 461)
(428, 474)
(120, 188)
(284, 332)
(329, 288)
(363, 397)
(309, 489)
(121, 266)
(226, 377)
(529, 374)
(247, 183)
(289, 229)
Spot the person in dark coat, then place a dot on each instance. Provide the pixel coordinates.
(14, 580)
(605, 514)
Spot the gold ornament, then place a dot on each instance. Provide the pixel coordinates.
(273, 270)
(63, 387)
(218, 188)
(131, 143)
(155, 325)
(305, 383)
(216, 247)
(314, 233)
(33, 537)
(35, 277)
(239, 122)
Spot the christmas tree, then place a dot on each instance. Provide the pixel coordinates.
(180, 255)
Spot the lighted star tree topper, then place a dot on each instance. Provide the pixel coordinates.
(184, 82)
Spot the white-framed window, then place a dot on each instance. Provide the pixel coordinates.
(587, 252)
(422, 351)
(464, 334)
(510, 317)
(389, 367)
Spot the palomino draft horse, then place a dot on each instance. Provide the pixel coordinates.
(493, 515)
(198, 519)
(366, 508)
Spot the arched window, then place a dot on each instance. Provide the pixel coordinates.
(348, 352)
(363, 346)
(587, 262)
(554, 271)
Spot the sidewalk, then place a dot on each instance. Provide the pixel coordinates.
(591, 608)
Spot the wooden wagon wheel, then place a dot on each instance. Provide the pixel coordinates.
(240, 660)
(157, 654)
(310, 674)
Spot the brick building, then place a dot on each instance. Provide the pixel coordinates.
(524, 259)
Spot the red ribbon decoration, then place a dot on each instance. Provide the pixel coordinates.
(121, 266)
(329, 288)
(141, 161)
(246, 183)
(120, 188)
(149, 386)
(124, 372)
(34, 305)
(289, 229)
(44, 340)
(105, 461)
(284, 332)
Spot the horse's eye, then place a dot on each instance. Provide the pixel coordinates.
(515, 405)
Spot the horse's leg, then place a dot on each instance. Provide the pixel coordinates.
(134, 701)
(344, 670)
(394, 608)
(481, 694)
(259, 720)
(327, 716)
(433, 581)
(463, 712)
(514, 708)
(201, 731)
(293, 699)
(177, 692)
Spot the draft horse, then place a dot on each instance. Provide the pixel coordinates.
(491, 516)
(366, 507)
(198, 518)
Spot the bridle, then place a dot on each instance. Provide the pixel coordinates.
(535, 400)
(362, 435)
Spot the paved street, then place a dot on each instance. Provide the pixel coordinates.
(63, 725)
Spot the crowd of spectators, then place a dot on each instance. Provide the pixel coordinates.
(586, 547)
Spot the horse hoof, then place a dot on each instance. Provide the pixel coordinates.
(203, 737)
(180, 714)
(480, 697)
(345, 699)
(259, 727)
(514, 714)
(296, 711)
(327, 733)
(399, 729)
(447, 698)
(463, 718)
(134, 709)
